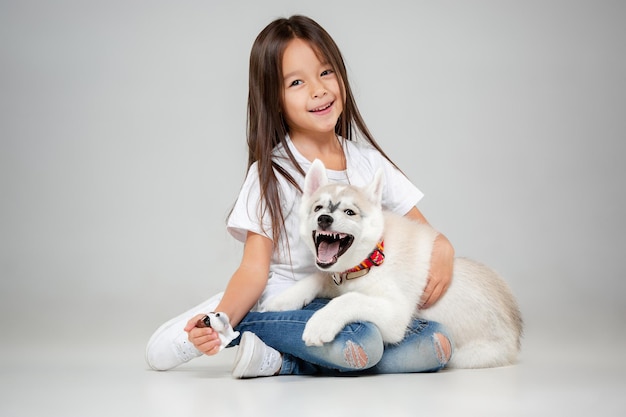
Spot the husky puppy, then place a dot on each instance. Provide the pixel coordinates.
(374, 265)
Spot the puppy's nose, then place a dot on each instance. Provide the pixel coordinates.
(324, 221)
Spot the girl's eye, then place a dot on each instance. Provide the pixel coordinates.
(349, 212)
(327, 72)
(317, 208)
(295, 83)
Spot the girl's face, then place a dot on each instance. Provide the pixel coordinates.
(312, 96)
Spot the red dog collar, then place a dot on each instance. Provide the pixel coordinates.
(374, 259)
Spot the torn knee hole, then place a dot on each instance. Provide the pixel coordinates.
(442, 347)
(354, 355)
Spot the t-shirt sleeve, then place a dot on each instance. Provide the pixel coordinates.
(399, 194)
(247, 214)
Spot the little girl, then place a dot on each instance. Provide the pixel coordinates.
(301, 108)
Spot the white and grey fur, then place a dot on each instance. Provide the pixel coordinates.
(478, 310)
(220, 322)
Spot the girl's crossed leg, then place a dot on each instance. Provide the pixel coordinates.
(357, 348)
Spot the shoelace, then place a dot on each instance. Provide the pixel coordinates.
(268, 359)
(184, 349)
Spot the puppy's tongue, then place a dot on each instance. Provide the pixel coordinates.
(327, 252)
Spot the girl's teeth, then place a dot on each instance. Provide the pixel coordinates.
(322, 108)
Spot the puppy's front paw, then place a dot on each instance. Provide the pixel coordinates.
(320, 330)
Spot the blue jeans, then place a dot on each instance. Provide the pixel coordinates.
(357, 348)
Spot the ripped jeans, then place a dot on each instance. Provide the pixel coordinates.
(357, 348)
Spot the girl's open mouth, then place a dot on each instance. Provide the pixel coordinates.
(322, 109)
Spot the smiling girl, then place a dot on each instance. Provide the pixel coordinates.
(301, 108)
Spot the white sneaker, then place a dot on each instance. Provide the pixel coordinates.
(254, 358)
(169, 346)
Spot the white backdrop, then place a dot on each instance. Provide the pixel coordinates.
(122, 148)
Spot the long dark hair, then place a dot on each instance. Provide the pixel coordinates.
(266, 126)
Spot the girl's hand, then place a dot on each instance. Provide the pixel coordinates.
(440, 277)
(441, 265)
(242, 292)
(205, 339)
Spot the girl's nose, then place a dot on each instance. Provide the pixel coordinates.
(318, 90)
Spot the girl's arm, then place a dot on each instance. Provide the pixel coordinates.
(441, 264)
(249, 280)
(242, 292)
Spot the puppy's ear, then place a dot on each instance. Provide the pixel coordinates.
(315, 178)
(374, 191)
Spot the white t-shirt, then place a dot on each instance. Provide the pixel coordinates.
(399, 195)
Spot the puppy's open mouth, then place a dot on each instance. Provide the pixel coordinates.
(330, 246)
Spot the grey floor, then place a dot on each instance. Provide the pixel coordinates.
(560, 373)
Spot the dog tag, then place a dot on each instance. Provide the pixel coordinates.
(337, 278)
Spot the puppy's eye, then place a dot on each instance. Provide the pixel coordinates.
(349, 212)
(317, 208)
